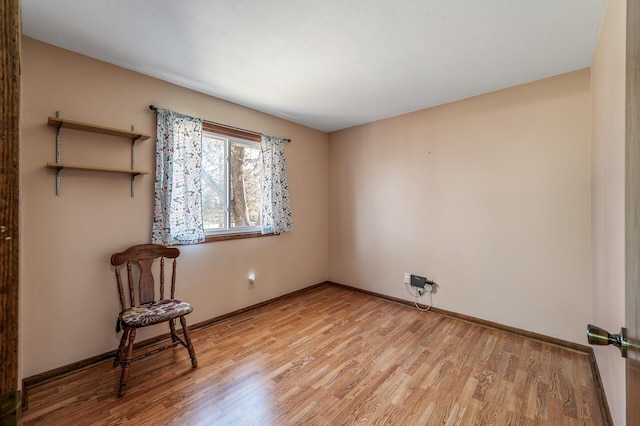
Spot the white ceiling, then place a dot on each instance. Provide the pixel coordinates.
(328, 64)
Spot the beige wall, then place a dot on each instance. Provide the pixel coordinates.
(608, 206)
(489, 197)
(69, 300)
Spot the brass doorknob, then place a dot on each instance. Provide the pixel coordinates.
(600, 336)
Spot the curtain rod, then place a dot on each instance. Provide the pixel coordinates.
(155, 109)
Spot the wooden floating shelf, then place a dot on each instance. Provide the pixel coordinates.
(60, 166)
(133, 136)
(103, 130)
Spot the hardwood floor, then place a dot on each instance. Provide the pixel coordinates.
(332, 356)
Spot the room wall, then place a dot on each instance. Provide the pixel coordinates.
(608, 205)
(488, 196)
(69, 301)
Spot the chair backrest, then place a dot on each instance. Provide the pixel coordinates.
(144, 255)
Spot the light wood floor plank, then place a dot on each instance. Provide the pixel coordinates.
(332, 356)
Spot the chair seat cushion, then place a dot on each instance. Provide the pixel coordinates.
(154, 312)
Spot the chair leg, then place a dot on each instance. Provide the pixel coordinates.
(172, 326)
(187, 339)
(120, 352)
(127, 363)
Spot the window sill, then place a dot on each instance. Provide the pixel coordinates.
(238, 236)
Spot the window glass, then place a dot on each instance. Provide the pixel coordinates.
(231, 184)
(245, 185)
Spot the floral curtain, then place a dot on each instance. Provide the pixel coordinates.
(276, 211)
(177, 217)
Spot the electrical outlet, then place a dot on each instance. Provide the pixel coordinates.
(407, 278)
(252, 280)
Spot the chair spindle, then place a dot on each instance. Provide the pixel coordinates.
(162, 278)
(173, 279)
(132, 300)
(120, 289)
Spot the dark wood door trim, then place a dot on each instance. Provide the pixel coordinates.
(9, 218)
(632, 213)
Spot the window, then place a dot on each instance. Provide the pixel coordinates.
(223, 201)
(231, 181)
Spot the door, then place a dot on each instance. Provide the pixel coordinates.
(9, 128)
(632, 212)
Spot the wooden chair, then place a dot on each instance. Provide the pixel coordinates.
(148, 310)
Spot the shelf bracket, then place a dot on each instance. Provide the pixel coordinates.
(58, 182)
(58, 156)
(133, 163)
